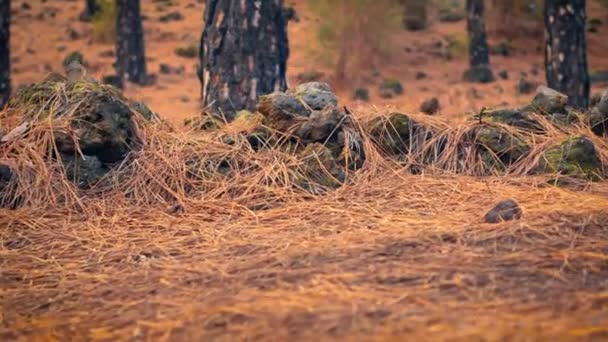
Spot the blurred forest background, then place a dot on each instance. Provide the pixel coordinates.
(387, 52)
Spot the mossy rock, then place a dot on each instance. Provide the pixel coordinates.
(598, 115)
(320, 126)
(249, 126)
(89, 120)
(575, 157)
(395, 133)
(319, 167)
(281, 110)
(498, 146)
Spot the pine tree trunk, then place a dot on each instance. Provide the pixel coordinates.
(90, 10)
(479, 57)
(130, 54)
(566, 50)
(5, 58)
(244, 52)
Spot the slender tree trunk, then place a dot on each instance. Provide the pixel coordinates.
(5, 58)
(566, 50)
(130, 54)
(479, 56)
(244, 51)
(90, 10)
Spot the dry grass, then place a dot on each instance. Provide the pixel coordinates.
(154, 252)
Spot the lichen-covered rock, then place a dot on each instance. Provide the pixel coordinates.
(88, 120)
(320, 125)
(549, 101)
(499, 145)
(576, 157)
(282, 110)
(248, 126)
(506, 210)
(396, 134)
(319, 167)
(513, 117)
(315, 95)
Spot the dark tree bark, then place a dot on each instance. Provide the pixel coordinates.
(243, 53)
(479, 56)
(90, 10)
(566, 50)
(130, 54)
(5, 58)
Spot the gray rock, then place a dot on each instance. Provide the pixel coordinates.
(549, 101)
(316, 95)
(506, 210)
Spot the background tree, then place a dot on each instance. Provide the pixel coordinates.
(479, 57)
(243, 53)
(566, 50)
(130, 53)
(91, 8)
(5, 60)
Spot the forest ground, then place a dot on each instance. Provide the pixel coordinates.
(389, 257)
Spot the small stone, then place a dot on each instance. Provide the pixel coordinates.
(525, 87)
(391, 86)
(172, 16)
(506, 210)
(361, 94)
(167, 69)
(504, 75)
(430, 106)
(420, 75)
(190, 51)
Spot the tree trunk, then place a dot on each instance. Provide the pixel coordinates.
(566, 50)
(479, 57)
(243, 53)
(130, 55)
(90, 10)
(5, 58)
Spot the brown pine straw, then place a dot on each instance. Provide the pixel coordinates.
(153, 253)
